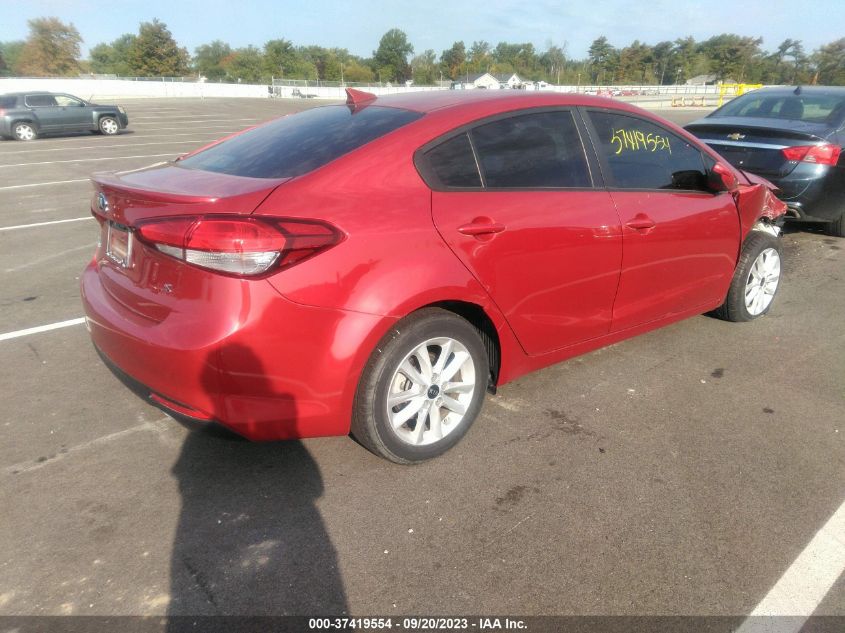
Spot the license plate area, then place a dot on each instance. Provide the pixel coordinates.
(119, 244)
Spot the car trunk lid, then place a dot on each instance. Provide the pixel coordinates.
(758, 146)
(143, 280)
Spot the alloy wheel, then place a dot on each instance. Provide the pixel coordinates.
(762, 282)
(431, 391)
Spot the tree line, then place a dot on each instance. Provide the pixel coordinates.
(53, 49)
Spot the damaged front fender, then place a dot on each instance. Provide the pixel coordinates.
(758, 206)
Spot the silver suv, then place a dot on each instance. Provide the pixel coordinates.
(26, 115)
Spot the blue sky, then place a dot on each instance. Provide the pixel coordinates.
(358, 24)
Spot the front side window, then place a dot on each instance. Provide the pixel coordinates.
(40, 101)
(642, 155)
(539, 150)
(67, 101)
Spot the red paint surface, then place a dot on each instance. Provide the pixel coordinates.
(280, 356)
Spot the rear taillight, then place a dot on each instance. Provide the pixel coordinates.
(825, 154)
(237, 245)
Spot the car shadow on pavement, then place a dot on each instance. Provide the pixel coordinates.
(250, 539)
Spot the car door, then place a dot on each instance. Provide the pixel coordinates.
(514, 199)
(74, 114)
(45, 110)
(680, 239)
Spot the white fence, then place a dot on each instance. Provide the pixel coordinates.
(102, 89)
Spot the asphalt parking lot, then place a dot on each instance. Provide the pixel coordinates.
(680, 472)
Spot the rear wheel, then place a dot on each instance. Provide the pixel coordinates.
(24, 131)
(109, 126)
(837, 227)
(755, 281)
(422, 388)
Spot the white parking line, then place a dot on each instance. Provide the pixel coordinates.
(30, 226)
(49, 258)
(157, 426)
(44, 184)
(207, 120)
(41, 328)
(199, 129)
(190, 116)
(211, 135)
(804, 585)
(86, 160)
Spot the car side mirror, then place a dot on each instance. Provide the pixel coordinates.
(721, 178)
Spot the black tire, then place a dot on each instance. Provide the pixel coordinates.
(837, 227)
(370, 422)
(24, 131)
(734, 308)
(108, 125)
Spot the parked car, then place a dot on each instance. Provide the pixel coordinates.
(26, 115)
(794, 138)
(378, 266)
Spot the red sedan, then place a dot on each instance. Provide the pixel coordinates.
(376, 267)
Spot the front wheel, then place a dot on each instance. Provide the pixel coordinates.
(109, 126)
(422, 388)
(755, 281)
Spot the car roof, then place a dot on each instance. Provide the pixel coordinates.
(29, 93)
(432, 100)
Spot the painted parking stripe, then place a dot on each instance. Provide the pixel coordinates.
(85, 160)
(41, 328)
(211, 135)
(804, 585)
(44, 184)
(31, 226)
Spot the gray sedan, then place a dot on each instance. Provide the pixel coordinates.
(26, 115)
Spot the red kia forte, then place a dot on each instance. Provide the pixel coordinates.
(377, 267)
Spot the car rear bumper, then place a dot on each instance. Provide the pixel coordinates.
(820, 198)
(263, 366)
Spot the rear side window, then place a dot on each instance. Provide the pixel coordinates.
(643, 155)
(40, 101)
(297, 144)
(8, 102)
(454, 163)
(541, 150)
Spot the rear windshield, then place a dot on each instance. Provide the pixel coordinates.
(296, 144)
(8, 102)
(826, 109)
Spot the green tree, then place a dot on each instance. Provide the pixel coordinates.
(391, 57)
(830, 63)
(602, 57)
(732, 56)
(155, 53)
(52, 48)
(11, 52)
(453, 61)
(479, 56)
(553, 61)
(424, 68)
(246, 65)
(112, 58)
(208, 59)
(355, 71)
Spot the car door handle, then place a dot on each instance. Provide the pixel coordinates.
(481, 226)
(640, 222)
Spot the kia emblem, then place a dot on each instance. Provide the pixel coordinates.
(102, 202)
